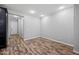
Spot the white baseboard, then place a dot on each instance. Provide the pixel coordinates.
(76, 51)
(30, 38)
(58, 41)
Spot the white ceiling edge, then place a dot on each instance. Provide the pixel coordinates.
(60, 10)
(22, 13)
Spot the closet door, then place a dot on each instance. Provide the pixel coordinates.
(12, 25)
(20, 27)
(3, 27)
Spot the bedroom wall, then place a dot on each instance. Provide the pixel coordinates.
(76, 27)
(59, 26)
(31, 27)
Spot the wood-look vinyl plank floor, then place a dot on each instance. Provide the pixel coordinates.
(38, 46)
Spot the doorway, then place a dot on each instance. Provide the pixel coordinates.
(15, 25)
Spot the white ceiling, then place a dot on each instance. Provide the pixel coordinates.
(45, 9)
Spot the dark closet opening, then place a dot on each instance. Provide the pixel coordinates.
(3, 27)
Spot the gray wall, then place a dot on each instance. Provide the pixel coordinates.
(76, 28)
(59, 26)
(31, 27)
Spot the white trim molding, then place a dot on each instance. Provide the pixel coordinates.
(59, 41)
(76, 51)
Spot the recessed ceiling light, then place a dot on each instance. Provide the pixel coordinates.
(15, 16)
(32, 11)
(42, 15)
(62, 7)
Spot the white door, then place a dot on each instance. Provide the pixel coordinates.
(12, 25)
(20, 27)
